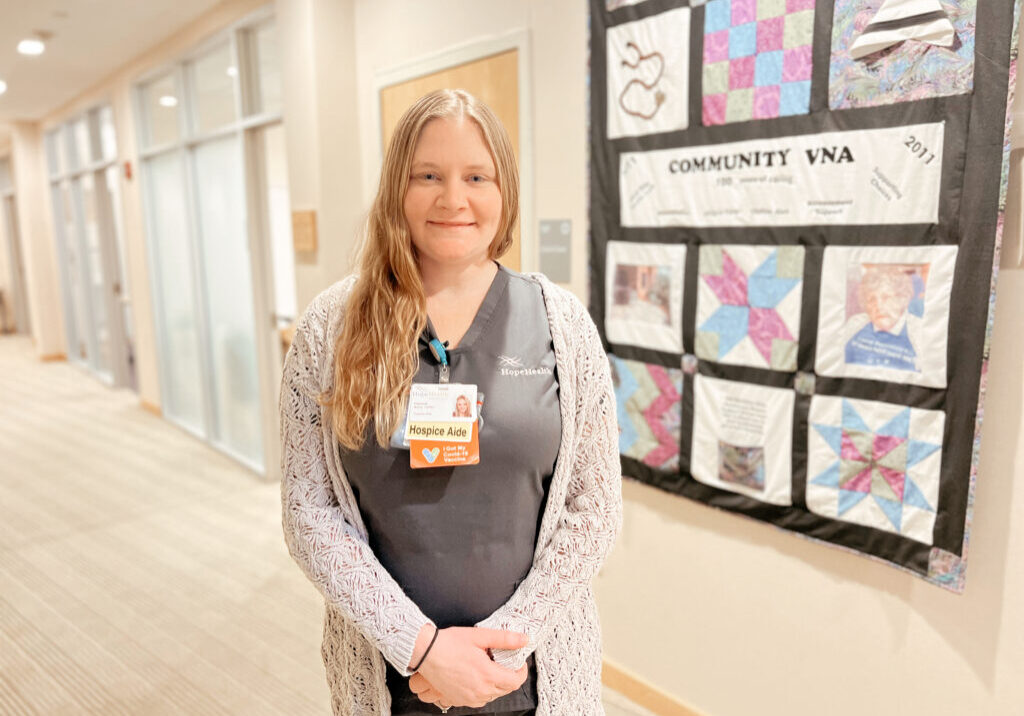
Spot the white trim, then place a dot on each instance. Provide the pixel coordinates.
(470, 51)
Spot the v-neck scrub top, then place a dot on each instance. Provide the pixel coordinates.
(459, 540)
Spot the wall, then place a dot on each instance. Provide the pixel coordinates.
(117, 89)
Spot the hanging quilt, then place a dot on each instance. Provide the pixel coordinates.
(791, 204)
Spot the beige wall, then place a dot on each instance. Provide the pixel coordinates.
(116, 89)
(35, 221)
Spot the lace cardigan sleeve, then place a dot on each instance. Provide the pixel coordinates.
(592, 514)
(321, 538)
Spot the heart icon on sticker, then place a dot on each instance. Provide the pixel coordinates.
(431, 455)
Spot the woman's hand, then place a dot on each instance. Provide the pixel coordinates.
(458, 671)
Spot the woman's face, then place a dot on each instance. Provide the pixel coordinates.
(462, 405)
(453, 204)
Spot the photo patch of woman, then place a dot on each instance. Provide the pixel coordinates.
(453, 588)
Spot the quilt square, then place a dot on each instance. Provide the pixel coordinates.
(914, 49)
(648, 399)
(763, 44)
(884, 313)
(748, 305)
(742, 438)
(875, 464)
(648, 75)
(644, 295)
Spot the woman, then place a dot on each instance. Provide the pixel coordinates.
(452, 588)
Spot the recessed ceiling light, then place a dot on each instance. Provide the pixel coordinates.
(3, 86)
(232, 71)
(31, 47)
(168, 100)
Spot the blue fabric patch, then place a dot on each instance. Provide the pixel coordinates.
(764, 289)
(717, 15)
(898, 427)
(849, 498)
(830, 477)
(730, 323)
(768, 68)
(918, 451)
(913, 496)
(892, 509)
(833, 436)
(743, 41)
(852, 419)
(794, 98)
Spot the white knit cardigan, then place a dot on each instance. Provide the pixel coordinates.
(368, 617)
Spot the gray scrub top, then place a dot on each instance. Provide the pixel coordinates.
(459, 540)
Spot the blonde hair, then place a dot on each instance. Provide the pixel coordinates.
(376, 356)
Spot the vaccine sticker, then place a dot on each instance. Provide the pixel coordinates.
(441, 425)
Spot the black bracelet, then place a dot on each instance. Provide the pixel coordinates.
(431, 644)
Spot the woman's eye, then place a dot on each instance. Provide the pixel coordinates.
(478, 179)
(429, 176)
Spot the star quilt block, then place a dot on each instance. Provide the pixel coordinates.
(875, 464)
(748, 305)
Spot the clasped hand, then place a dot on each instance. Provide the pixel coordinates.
(459, 671)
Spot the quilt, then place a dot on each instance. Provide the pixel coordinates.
(796, 209)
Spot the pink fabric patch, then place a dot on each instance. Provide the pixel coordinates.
(796, 64)
(769, 34)
(764, 325)
(897, 480)
(731, 286)
(766, 102)
(744, 11)
(741, 72)
(849, 451)
(716, 46)
(714, 109)
(797, 5)
(885, 444)
(861, 482)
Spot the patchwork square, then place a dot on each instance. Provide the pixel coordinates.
(648, 401)
(644, 295)
(742, 438)
(769, 34)
(910, 69)
(768, 69)
(883, 313)
(648, 74)
(767, 44)
(748, 305)
(875, 464)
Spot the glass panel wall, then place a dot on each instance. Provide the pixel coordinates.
(173, 282)
(82, 159)
(209, 294)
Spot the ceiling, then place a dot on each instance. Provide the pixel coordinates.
(90, 40)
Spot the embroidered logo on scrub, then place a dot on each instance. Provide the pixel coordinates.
(513, 367)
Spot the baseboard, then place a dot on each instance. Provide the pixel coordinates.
(643, 693)
(151, 407)
(49, 357)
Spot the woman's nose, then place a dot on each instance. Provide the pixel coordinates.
(453, 195)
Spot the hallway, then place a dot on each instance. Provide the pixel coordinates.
(142, 571)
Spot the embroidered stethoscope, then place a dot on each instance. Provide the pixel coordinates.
(659, 96)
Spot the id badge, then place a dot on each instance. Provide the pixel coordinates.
(441, 425)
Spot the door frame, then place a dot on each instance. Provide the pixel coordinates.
(478, 49)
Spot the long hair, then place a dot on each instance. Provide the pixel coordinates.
(376, 356)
